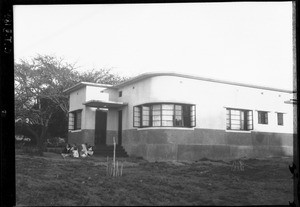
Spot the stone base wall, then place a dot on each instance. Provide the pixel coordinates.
(180, 144)
(88, 136)
(82, 136)
(109, 137)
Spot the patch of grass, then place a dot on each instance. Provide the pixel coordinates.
(29, 150)
(51, 180)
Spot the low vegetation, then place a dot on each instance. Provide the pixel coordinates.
(52, 180)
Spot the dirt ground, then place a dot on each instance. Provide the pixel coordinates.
(52, 180)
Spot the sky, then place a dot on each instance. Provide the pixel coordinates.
(247, 42)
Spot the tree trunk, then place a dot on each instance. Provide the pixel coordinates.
(38, 139)
(41, 140)
(36, 136)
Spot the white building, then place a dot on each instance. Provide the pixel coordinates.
(172, 116)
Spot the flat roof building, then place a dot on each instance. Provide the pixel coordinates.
(174, 116)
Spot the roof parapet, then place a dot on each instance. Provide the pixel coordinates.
(82, 84)
(190, 76)
(152, 74)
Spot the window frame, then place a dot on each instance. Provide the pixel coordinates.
(263, 117)
(143, 114)
(74, 120)
(160, 114)
(136, 118)
(282, 120)
(247, 126)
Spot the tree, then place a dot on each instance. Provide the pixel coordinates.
(39, 86)
(104, 76)
(39, 98)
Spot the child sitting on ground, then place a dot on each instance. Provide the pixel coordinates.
(75, 152)
(89, 150)
(83, 152)
(67, 151)
(86, 150)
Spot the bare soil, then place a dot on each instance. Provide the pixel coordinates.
(52, 180)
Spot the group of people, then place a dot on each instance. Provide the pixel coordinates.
(74, 151)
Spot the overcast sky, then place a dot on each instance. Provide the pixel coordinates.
(243, 42)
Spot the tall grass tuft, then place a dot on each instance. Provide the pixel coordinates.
(112, 167)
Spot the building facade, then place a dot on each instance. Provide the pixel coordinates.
(172, 116)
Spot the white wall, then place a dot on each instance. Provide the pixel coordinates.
(90, 115)
(113, 94)
(211, 100)
(86, 93)
(76, 99)
(134, 94)
(96, 93)
(112, 119)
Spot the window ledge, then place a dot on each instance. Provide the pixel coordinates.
(77, 130)
(176, 128)
(238, 131)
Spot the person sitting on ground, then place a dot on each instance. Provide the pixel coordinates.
(75, 152)
(67, 151)
(84, 151)
(90, 151)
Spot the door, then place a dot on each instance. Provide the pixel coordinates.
(100, 127)
(120, 128)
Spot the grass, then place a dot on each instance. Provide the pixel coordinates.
(51, 180)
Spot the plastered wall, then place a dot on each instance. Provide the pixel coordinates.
(211, 100)
(76, 99)
(96, 93)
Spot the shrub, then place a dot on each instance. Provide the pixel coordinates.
(21, 141)
(55, 142)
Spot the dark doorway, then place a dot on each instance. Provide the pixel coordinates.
(100, 127)
(120, 128)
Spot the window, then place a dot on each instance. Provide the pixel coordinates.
(239, 119)
(120, 93)
(165, 114)
(262, 117)
(137, 117)
(280, 119)
(178, 120)
(193, 116)
(156, 115)
(71, 121)
(145, 116)
(75, 120)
